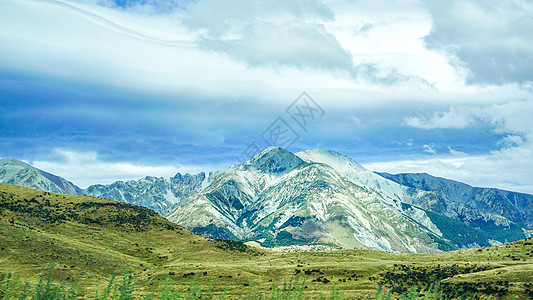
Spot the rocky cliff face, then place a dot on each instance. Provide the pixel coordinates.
(286, 201)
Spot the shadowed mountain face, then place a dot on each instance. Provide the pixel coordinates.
(322, 197)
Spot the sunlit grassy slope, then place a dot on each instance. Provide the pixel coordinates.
(90, 238)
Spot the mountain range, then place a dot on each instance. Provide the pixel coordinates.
(279, 198)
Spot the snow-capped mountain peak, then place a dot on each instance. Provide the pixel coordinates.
(354, 172)
(274, 160)
(334, 159)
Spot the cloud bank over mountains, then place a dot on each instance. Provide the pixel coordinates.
(165, 86)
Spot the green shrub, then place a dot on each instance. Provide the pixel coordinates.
(46, 289)
(293, 289)
(8, 286)
(381, 295)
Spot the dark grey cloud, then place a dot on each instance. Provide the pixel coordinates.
(491, 39)
(74, 124)
(42, 114)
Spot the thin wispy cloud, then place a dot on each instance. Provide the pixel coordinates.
(430, 149)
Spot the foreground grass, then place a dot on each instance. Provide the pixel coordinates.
(46, 289)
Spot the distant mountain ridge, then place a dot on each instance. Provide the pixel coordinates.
(317, 197)
(16, 172)
(516, 207)
(157, 193)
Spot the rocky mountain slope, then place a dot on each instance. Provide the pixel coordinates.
(278, 199)
(322, 197)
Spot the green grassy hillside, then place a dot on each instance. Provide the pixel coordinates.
(89, 239)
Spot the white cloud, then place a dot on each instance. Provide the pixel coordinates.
(284, 33)
(512, 141)
(491, 39)
(85, 168)
(290, 44)
(512, 116)
(285, 43)
(430, 149)
(274, 33)
(219, 19)
(508, 169)
(457, 118)
(455, 152)
(217, 50)
(357, 121)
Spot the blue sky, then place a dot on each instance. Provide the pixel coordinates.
(99, 90)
